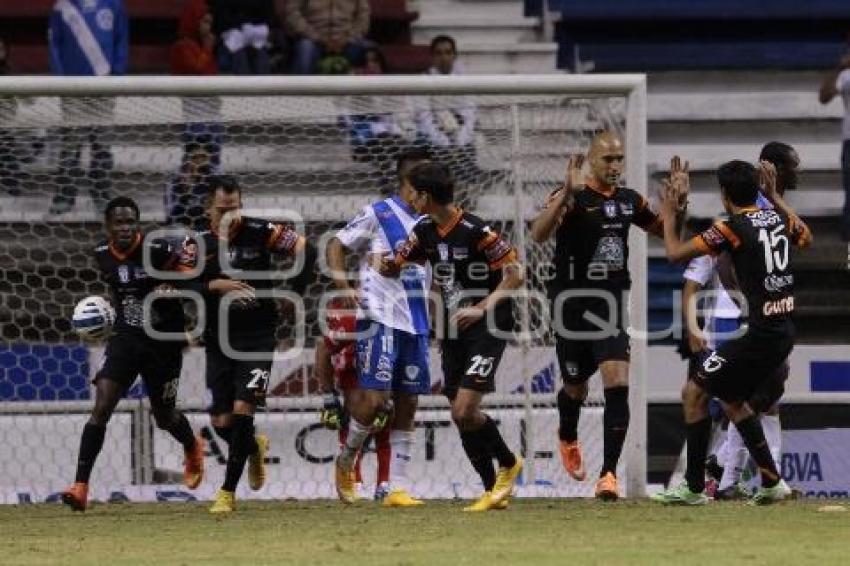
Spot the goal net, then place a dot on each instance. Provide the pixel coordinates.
(311, 151)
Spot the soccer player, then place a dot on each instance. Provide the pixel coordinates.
(723, 320)
(130, 351)
(240, 337)
(476, 270)
(590, 217)
(336, 367)
(392, 328)
(758, 241)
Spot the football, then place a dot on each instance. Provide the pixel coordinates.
(93, 318)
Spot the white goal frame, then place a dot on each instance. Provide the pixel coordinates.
(630, 86)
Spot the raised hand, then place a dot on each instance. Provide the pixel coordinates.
(680, 179)
(767, 179)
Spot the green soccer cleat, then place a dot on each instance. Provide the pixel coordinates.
(768, 495)
(680, 495)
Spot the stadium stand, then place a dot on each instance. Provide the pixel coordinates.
(153, 27)
(699, 34)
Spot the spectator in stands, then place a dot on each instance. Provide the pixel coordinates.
(186, 190)
(88, 38)
(447, 124)
(838, 82)
(245, 29)
(375, 136)
(194, 54)
(194, 51)
(327, 27)
(9, 159)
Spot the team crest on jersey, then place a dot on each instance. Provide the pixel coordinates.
(460, 253)
(443, 250)
(105, 19)
(123, 273)
(610, 208)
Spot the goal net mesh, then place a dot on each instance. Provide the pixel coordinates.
(318, 158)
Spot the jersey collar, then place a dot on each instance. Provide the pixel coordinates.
(444, 229)
(594, 185)
(121, 256)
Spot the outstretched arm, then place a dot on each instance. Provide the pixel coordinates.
(799, 230)
(829, 88)
(560, 202)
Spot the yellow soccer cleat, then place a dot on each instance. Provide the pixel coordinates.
(400, 498)
(225, 502)
(484, 503)
(505, 481)
(257, 463)
(346, 487)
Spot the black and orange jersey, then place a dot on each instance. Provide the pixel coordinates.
(591, 241)
(759, 241)
(130, 283)
(246, 256)
(466, 257)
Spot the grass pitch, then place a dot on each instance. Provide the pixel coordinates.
(535, 532)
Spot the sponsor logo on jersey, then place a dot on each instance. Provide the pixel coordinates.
(774, 283)
(610, 208)
(781, 306)
(123, 273)
(460, 252)
(627, 209)
(713, 237)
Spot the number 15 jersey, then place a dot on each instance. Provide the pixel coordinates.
(760, 243)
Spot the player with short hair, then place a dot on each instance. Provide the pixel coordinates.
(130, 351)
(590, 218)
(758, 241)
(336, 369)
(392, 328)
(724, 318)
(476, 312)
(240, 334)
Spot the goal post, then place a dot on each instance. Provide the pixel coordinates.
(296, 140)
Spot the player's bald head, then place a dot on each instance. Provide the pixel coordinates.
(606, 157)
(604, 143)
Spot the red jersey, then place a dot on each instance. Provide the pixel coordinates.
(341, 327)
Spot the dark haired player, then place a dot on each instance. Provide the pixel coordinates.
(240, 336)
(591, 218)
(723, 319)
(392, 341)
(130, 351)
(759, 242)
(476, 271)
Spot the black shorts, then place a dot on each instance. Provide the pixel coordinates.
(746, 368)
(232, 380)
(470, 362)
(579, 356)
(158, 363)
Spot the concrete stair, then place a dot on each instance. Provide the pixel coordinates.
(493, 36)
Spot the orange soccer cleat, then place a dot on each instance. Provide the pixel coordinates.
(76, 497)
(193, 464)
(572, 460)
(607, 488)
